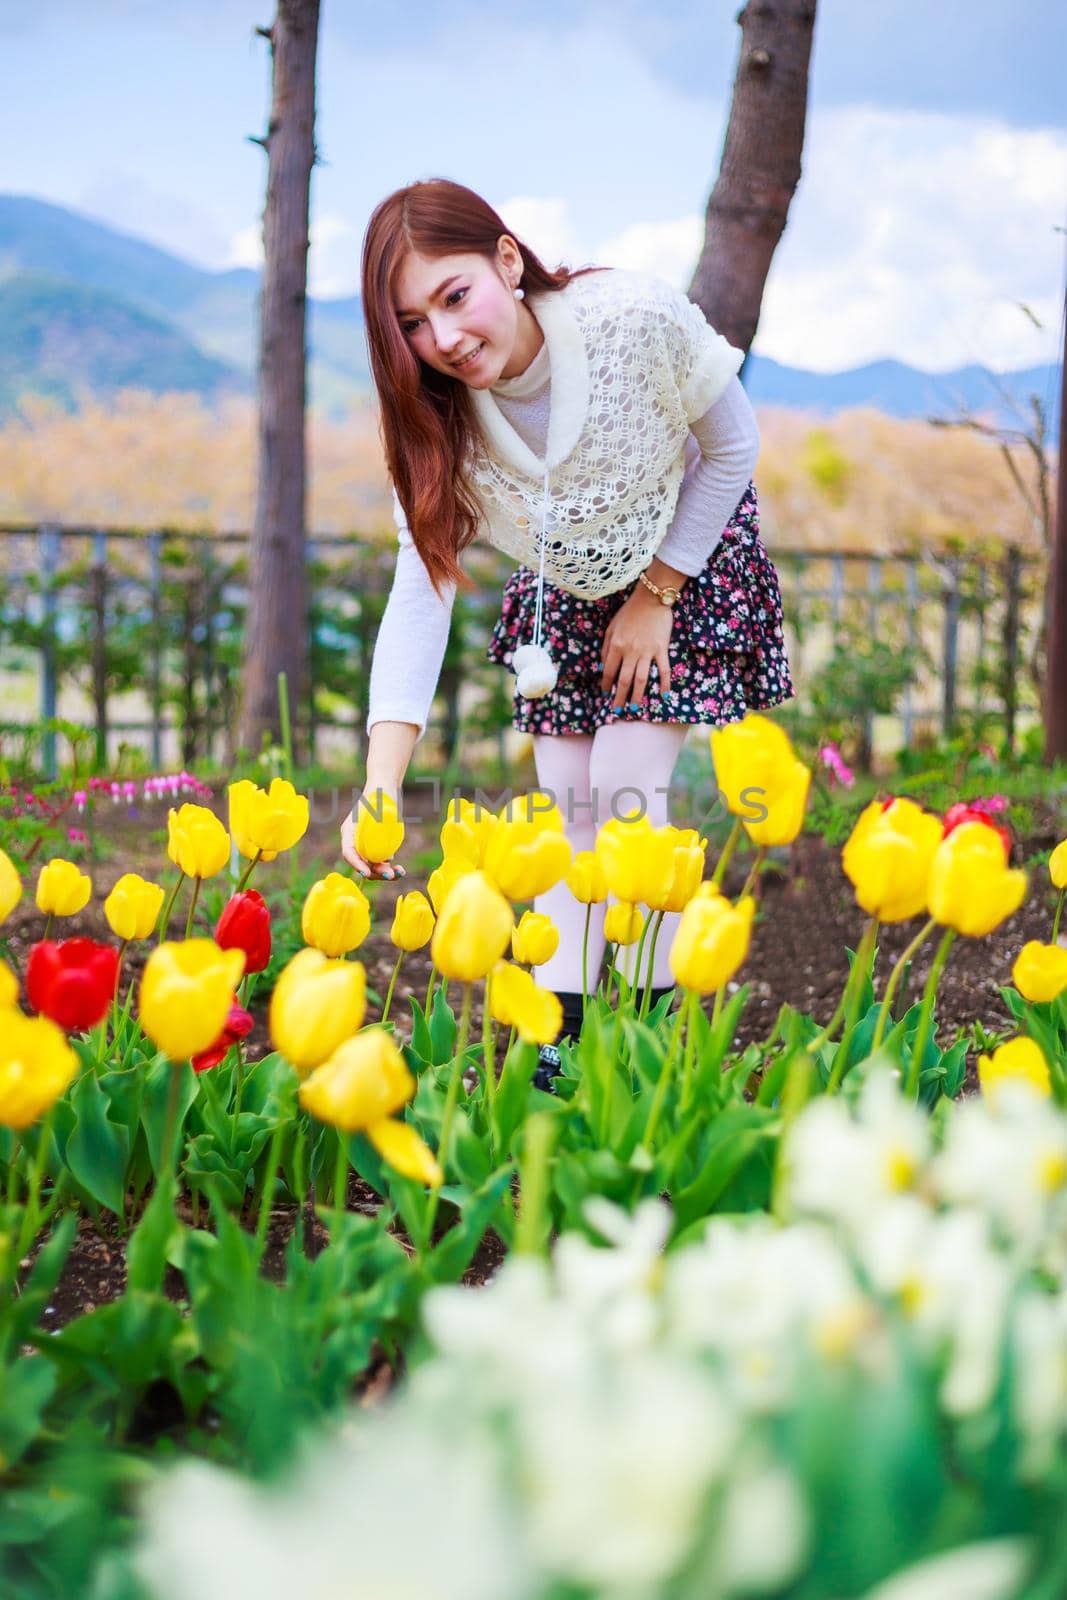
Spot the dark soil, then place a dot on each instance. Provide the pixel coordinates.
(807, 917)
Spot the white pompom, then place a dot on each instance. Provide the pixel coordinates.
(535, 669)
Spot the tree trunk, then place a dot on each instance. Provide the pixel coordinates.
(1056, 682)
(760, 165)
(276, 639)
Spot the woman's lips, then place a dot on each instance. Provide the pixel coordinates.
(469, 359)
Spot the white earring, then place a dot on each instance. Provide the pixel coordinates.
(520, 294)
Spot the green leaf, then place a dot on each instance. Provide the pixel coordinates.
(146, 1257)
(513, 1091)
(421, 1042)
(98, 1148)
(732, 1138)
(154, 1105)
(25, 1390)
(442, 1029)
(453, 1255)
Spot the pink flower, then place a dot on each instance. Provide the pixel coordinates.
(77, 836)
(832, 759)
(81, 799)
(129, 791)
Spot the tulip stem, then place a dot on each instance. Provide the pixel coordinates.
(28, 1231)
(247, 873)
(1056, 918)
(168, 1156)
(753, 873)
(489, 1056)
(266, 1194)
(635, 980)
(886, 1013)
(392, 986)
(664, 1078)
(691, 1004)
(451, 1096)
(192, 906)
(48, 921)
(164, 921)
(647, 994)
(927, 1013)
(860, 971)
(585, 958)
(429, 992)
(831, 1027)
(726, 852)
(340, 1173)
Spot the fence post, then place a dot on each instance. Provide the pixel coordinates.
(874, 587)
(951, 595)
(208, 581)
(912, 589)
(1012, 573)
(48, 540)
(155, 668)
(98, 602)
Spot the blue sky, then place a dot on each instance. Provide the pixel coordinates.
(935, 167)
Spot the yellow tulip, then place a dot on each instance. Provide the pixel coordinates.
(623, 923)
(712, 942)
(133, 906)
(586, 880)
(9, 988)
(887, 858)
(10, 886)
(36, 1065)
(1057, 865)
(1040, 971)
(473, 928)
(753, 762)
(516, 1001)
(528, 851)
(689, 850)
(443, 879)
(1019, 1061)
(266, 821)
(186, 993)
(197, 842)
(535, 940)
(317, 1004)
(466, 830)
(336, 915)
(785, 805)
(970, 888)
(379, 831)
(358, 1089)
(412, 921)
(62, 890)
(637, 860)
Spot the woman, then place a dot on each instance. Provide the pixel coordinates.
(590, 424)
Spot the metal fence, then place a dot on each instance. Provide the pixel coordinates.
(138, 635)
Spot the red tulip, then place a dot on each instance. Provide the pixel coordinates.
(72, 981)
(245, 925)
(974, 811)
(238, 1023)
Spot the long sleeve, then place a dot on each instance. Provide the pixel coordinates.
(411, 641)
(727, 439)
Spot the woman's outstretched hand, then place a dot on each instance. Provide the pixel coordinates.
(369, 869)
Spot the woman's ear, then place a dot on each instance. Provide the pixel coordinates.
(508, 255)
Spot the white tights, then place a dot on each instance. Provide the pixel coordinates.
(593, 778)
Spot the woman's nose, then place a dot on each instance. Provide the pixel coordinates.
(446, 336)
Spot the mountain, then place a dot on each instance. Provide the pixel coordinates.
(83, 306)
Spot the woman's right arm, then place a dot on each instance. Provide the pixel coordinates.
(408, 653)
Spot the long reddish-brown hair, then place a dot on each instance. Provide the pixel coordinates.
(427, 419)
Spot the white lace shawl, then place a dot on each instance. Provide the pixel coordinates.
(633, 363)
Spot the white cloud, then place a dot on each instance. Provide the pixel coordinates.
(333, 257)
(664, 249)
(246, 247)
(544, 225)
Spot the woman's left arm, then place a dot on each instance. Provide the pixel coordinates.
(640, 631)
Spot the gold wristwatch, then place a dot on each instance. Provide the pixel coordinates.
(667, 594)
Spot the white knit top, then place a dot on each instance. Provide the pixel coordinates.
(717, 452)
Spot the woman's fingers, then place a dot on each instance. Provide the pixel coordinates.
(367, 869)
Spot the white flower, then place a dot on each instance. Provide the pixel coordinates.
(764, 1531)
(991, 1570)
(1039, 1367)
(1010, 1161)
(843, 1165)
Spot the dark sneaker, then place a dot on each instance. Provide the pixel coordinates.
(549, 1066)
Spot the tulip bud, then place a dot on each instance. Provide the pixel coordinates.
(760, 779)
(976, 812)
(473, 928)
(9, 988)
(413, 921)
(535, 939)
(1057, 865)
(10, 886)
(185, 995)
(265, 822)
(36, 1066)
(73, 981)
(442, 879)
(62, 890)
(970, 888)
(623, 923)
(336, 915)
(379, 831)
(466, 830)
(528, 851)
(887, 858)
(1019, 1063)
(238, 1025)
(245, 925)
(586, 880)
(358, 1089)
(637, 860)
(711, 942)
(1040, 971)
(133, 906)
(197, 842)
(317, 1004)
(689, 850)
(516, 1001)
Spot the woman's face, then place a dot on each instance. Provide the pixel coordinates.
(460, 315)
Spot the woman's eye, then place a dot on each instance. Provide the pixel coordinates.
(455, 297)
(408, 327)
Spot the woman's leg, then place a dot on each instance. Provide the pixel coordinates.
(631, 766)
(563, 768)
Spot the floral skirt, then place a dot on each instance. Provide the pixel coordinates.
(727, 651)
